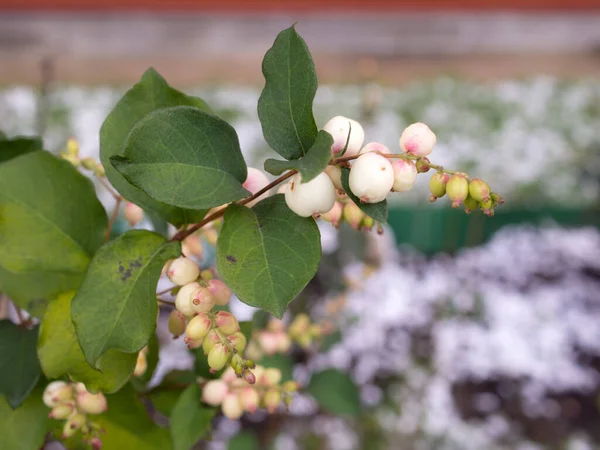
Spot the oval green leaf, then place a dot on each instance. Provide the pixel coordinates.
(267, 254)
(116, 304)
(151, 93)
(378, 211)
(184, 157)
(24, 428)
(11, 148)
(335, 392)
(190, 419)
(60, 353)
(285, 104)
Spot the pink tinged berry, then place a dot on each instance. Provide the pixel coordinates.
(417, 139)
(249, 399)
(255, 181)
(198, 327)
(226, 322)
(133, 213)
(183, 271)
(177, 323)
(57, 392)
(202, 300)
(95, 443)
(183, 300)
(437, 185)
(316, 196)
(268, 342)
(192, 246)
(89, 403)
(211, 339)
(335, 175)
(353, 215)
(334, 215)
(249, 377)
(218, 356)
(232, 407)
(62, 411)
(214, 392)
(229, 375)
(220, 290)
(272, 400)
(405, 175)
(479, 190)
(371, 178)
(375, 147)
(457, 189)
(345, 130)
(238, 341)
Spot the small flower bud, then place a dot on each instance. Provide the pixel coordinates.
(353, 215)
(72, 147)
(95, 443)
(371, 178)
(334, 215)
(220, 290)
(141, 365)
(272, 400)
(183, 271)
(417, 139)
(210, 340)
(375, 147)
(238, 341)
(249, 377)
(57, 392)
(335, 175)
(91, 403)
(496, 199)
(202, 300)
(192, 246)
(457, 189)
(214, 392)
(405, 175)
(340, 128)
(62, 411)
(315, 196)
(177, 323)
(271, 376)
(218, 356)
(470, 204)
(423, 165)
(479, 190)
(88, 163)
(249, 399)
(226, 323)
(255, 181)
(198, 327)
(183, 301)
(232, 407)
(437, 185)
(133, 213)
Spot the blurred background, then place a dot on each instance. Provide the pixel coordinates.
(463, 332)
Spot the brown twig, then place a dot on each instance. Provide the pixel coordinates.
(165, 302)
(109, 188)
(113, 217)
(165, 291)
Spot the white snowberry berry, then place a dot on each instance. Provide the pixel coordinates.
(183, 301)
(335, 175)
(405, 175)
(375, 147)
(203, 300)
(339, 127)
(417, 139)
(133, 213)
(371, 178)
(306, 199)
(183, 271)
(255, 181)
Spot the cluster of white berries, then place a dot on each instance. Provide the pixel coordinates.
(236, 396)
(73, 403)
(218, 333)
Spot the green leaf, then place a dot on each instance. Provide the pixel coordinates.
(164, 397)
(335, 392)
(51, 225)
(267, 254)
(24, 428)
(190, 420)
(378, 211)
(184, 157)
(11, 148)
(246, 329)
(128, 425)
(116, 304)
(246, 440)
(285, 105)
(151, 93)
(19, 365)
(281, 362)
(312, 164)
(260, 319)
(60, 353)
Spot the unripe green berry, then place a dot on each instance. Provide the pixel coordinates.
(210, 340)
(203, 300)
(272, 400)
(183, 301)
(207, 274)
(220, 290)
(487, 207)
(496, 199)
(367, 223)
(457, 189)
(470, 204)
(177, 323)
(74, 423)
(423, 165)
(218, 356)
(198, 327)
(89, 403)
(226, 322)
(437, 185)
(183, 271)
(88, 163)
(479, 190)
(62, 411)
(238, 341)
(353, 215)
